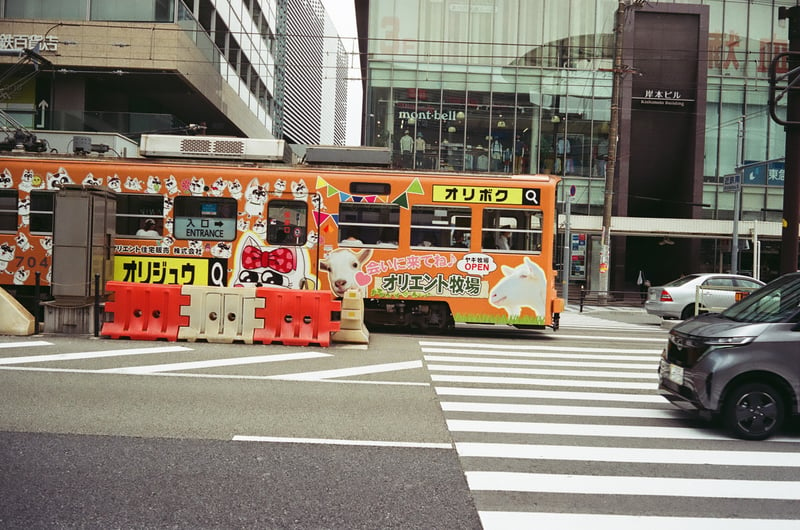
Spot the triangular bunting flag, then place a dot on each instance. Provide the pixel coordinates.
(320, 217)
(401, 200)
(331, 191)
(321, 183)
(416, 188)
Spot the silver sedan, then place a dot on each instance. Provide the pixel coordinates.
(677, 299)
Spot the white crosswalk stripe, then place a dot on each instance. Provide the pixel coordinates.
(585, 320)
(581, 435)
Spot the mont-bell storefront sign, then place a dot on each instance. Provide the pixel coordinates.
(449, 115)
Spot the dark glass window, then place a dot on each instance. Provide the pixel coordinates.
(367, 224)
(9, 208)
(42, 211)
(287, 222)
(134, 212)
(510, 230)
(441, 226)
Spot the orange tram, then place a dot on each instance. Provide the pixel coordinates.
(425, 250)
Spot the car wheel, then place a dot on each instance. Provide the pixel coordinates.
(753, 411)
(688, 312)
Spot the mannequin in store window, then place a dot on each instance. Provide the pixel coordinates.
(507, 159)
(419, 151)
(406, 149)
(482, 163)
(519, 154)
(563, 161)
(497, 154)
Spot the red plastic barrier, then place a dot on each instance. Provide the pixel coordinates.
(145, 311)
(296, 317)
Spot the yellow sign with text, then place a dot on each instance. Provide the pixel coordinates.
(163, 270)
(486, 195)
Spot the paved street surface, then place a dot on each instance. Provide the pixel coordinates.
(486, 427)
(570, 433)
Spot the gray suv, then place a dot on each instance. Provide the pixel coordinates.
(742, 364)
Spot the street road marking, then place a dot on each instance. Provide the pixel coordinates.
(540, 371)
(25, 344)
(215, 363)
(570, 319)
(629, 454)
(534, 362)
(90, 355)
(571, 521)
(330, 441)
(615, 431)
(660, 340)
(546, 355)
(348, 372)
(201, 376)
(555, 410)
(586, 383)
(429, 347)
(611, 485)
(550, 394)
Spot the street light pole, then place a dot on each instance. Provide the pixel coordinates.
(611, 165)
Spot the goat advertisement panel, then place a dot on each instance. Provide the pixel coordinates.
(518, 293)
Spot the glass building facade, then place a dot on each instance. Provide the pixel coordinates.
(525, 86)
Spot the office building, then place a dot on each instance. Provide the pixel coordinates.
(219, 67)
(526, 86)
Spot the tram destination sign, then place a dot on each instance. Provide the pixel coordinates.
(211, 228)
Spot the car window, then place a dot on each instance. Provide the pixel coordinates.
(779, 301)
(719, 281)
(748, 283)
(683, 280)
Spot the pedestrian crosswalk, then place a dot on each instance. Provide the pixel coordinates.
(594, 320)
(574, 435)
(201, 361)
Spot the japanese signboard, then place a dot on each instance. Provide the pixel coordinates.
(486, 195)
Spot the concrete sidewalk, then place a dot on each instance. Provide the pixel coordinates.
(629, 315)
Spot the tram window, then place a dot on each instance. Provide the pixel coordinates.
(42, 211)
(365, 224)
(9, 208)
(512, 230)
(205, 218)
(133, 212)
(441, 227)
(370, 188)
(287, 222)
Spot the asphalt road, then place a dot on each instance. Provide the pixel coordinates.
(93, 435)
(485, 427)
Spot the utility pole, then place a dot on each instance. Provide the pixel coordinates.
(611, 165)
(737, 198)
(791, 183)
